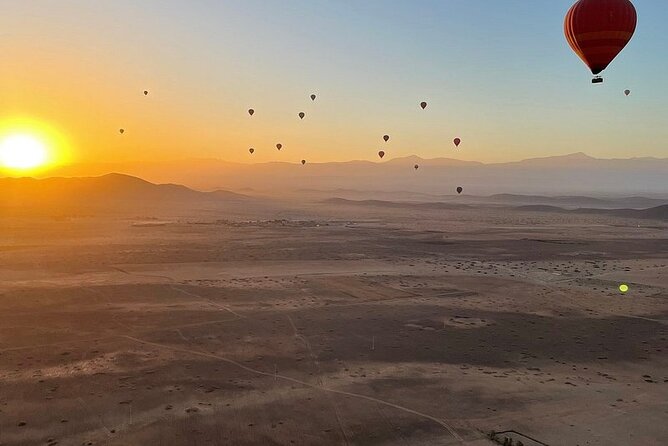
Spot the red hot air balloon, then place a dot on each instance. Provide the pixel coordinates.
(301, 115)
(303, 162)
(598, 30)
(381, 154)
(279, 146)
(251, 111)
(251, 150)
(386, 138)
(457, 142)
(423, 105)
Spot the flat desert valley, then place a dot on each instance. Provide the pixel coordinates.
(333, 323)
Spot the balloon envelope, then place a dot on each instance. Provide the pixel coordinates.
(598, 30)
(457, 142)
(459, 190)
(145, 92)
(279, 146)
(301, 115)
(627, 92)
(416, 167)
(386, 138)
(121, 131)
(423, 105)
(381, 154)
(251, 111)
(313, 97)
(251, 150)
(303, 162)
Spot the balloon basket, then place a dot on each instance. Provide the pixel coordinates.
(597, 80)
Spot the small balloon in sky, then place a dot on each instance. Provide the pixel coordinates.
(251, 111)
(121, 131)
(145, 92)
(251, 150)
(457, 142)
(303, 162)
(627, 92)
(279, 146)
(301, 115)
(386, 138)
(423, 105)
(381, 154)
(313, 97)
(416, 167)
(460, 189)
(623, 288)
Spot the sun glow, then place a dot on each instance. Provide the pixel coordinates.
(22, 152)
(29, 146)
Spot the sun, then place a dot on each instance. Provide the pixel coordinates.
(22, 151)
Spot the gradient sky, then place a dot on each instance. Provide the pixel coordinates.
(498, 74)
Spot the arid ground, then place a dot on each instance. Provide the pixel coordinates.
(333, 325)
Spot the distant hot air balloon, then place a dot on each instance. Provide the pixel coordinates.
(121, 131)
(381, 154)
(598, 30)
(416, 167)
(301, 115)
(423, 105)
(457, 142)
(459, 189)
(627, 92)
(303, 162)
(313, 97)
(279, 146)
(145, 92)
(251, 150)
(386, 138)
(251, 111)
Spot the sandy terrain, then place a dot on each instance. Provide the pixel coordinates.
(336, 326)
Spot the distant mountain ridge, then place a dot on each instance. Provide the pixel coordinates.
(106, 190)
(573, 174)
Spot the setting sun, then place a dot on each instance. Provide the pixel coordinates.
(22, 152)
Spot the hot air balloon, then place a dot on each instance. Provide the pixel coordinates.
(251, 150)
(121, 131)
(303, 162)
(423, 105)
(301, 115)
(459, 189)
(598, 30)
(145, 92)
(313, 97)
(386, 138)
(416, 167)
(279, 146)
(627, 92)
(381, 154)
(457, 142)
(251, 111)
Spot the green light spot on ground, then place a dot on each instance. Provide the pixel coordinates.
(623, 288)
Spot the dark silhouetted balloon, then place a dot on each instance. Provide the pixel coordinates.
(459, 190)
(303, 162)
(598, 30)
(416, 167)
(121, 131)
(279, 146)
(457, 142)
(423, 105)
(301, 115)
(313, 97)
(145, 92)
(251, 150)
(381, 154)
(251, 111)
(627, 92)
(386, 138)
